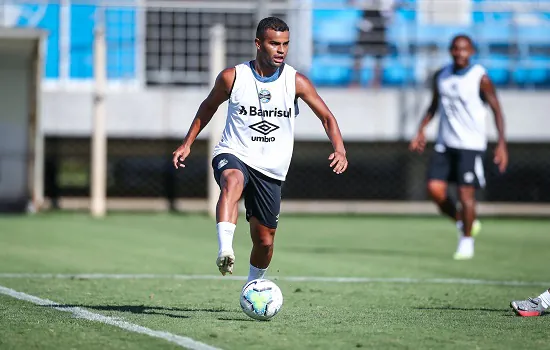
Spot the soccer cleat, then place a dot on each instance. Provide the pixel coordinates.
(463, 256)
(225, 262)
(528, 308)
(465, 249)
(476, 228)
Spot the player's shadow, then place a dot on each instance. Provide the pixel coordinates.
(355, 251)
(452, 308)
(147, 310)
(236, 319)
(505, 312)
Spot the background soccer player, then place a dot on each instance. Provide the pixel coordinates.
(460, 92)
(253, 156)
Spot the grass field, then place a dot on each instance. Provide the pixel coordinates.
(433, 303)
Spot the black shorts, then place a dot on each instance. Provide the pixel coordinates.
(262, 194)
(460, 166)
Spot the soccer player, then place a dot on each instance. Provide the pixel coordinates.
(253, 156)
(532, 306)
(460, 92)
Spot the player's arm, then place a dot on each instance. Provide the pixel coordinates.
(489, 93)
(418, 143)
(219, 94)
(307, 92)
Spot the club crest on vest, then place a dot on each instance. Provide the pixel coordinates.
(264, 95)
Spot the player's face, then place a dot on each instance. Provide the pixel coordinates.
(272, 49)
(461, 51)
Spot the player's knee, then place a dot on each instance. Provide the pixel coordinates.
(467, 201)
(435, 192)
(232, 183)
(265, 243)
(265, 238)
(467, 197)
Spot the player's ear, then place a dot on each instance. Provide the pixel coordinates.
(257, 42)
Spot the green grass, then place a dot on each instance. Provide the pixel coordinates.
(319, 315)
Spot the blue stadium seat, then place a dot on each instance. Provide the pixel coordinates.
(498, 68)
(335, 27)
(334, 70)
(367, 71)
(497, 36)
(331, 69)
(82, 29)
(492, 33)
(439, 35)
(49, 22)
(400, 32)
(534, 34)
(534, 71)
(485, 16)
(397, 71)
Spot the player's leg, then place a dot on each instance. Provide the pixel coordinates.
(465, 249)
(437, 190)
(439, 173)
(231, 176)
(532, 306)
(231, 189)
(467, 197)
(263, 203)
(469, 177)
(262, 248)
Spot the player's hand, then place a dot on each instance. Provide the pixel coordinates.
(339, 162)
(179, 156)
(501, 156)
(418, 143)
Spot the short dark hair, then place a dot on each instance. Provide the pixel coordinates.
(274, 23)
(465, 37)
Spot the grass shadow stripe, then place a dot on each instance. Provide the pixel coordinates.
(79, 312)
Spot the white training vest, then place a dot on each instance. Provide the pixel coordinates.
(259, 129)
(462, 111)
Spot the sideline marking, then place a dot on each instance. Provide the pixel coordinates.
(278, 278)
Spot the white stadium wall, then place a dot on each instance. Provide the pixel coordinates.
(362, 114)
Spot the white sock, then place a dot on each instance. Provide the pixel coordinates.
(255, 273)
(466, 245)
(545, 297)
(460, 225)
(225, 236)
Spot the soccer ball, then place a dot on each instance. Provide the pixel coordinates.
(261, 299)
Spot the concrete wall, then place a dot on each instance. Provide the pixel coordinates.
(14, 125)
(362, 114)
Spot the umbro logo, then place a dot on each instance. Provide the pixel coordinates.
(469, 177)
(243, 111)
(264, 127)
(222, 163)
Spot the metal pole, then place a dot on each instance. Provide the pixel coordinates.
(99, 137)
(38, 170)
(217, 64)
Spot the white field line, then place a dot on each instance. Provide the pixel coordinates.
(78, 312)
(281, 278)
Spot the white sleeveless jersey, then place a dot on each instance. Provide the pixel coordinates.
(462, 110)
(259, 129)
